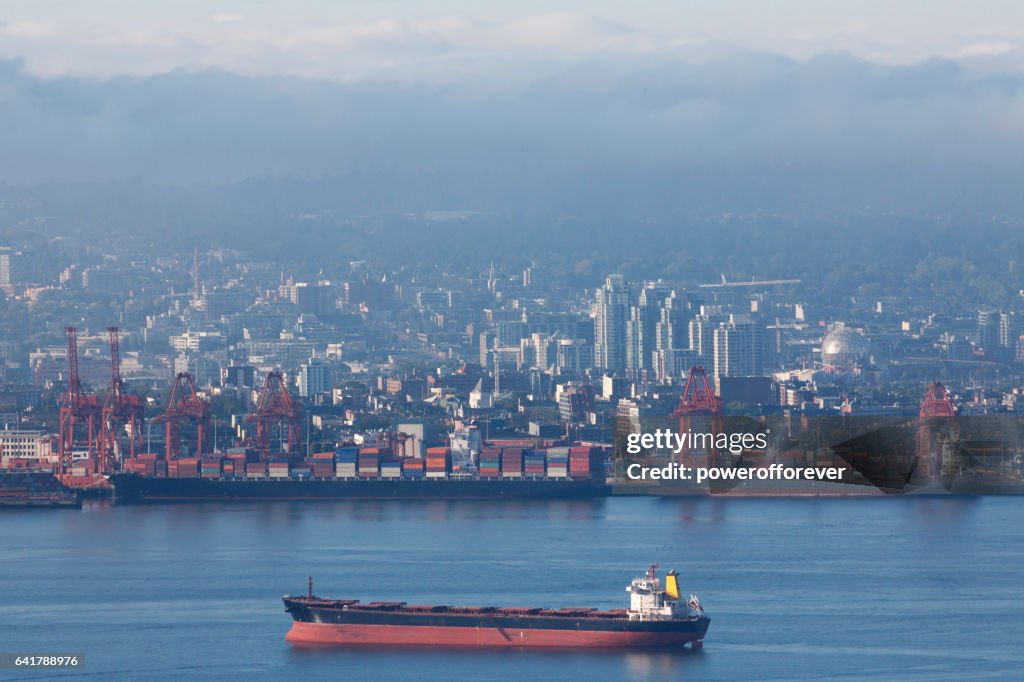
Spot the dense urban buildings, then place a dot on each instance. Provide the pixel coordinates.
(513, 350)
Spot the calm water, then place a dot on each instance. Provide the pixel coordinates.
(921, 589)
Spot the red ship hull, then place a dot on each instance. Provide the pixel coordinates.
(491, 637)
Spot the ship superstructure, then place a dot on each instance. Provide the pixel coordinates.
(648, 601)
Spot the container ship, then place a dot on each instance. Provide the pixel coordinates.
(657, 617)
(367, 473)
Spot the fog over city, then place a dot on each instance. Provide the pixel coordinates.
(582, 111)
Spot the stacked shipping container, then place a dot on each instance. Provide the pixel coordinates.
(211, 467)
(369, 462)
(413, 468)
(439, 462)
(373, 462)
(490, 463)
(533, 463)
(584, 461)
(345, 460)
(558, 462)
(188, 467)
(278, 468)
(322, 464)
(256, 469)
(511, 462)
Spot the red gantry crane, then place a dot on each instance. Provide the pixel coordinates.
(121, 409)
(938, 421)
(699, 400)
(276, 406)
(184, 405)
(77, 408)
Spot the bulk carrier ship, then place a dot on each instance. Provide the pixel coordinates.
(367, 473)
(656, 617)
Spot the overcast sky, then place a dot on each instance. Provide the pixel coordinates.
(475, 104)
(357, 38)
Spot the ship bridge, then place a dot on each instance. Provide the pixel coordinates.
(649, 601)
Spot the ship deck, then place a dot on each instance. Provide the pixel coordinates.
(354, 605)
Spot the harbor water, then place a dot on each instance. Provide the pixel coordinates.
(897, 588)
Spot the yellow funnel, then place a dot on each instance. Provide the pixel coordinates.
(672, 585)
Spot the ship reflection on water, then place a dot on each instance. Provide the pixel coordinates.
(616, 664)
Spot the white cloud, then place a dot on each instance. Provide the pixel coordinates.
(226, 18)
(985, 48)
(29, 29)
(413, 46)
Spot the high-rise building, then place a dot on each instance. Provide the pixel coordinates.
(610, 324)
(1008, 330)
(243, 376)
(738, 347)
(511, 332)
(673, 363)
(574, 402)
(702, 334)
(5, 266)
(574, 356)
(486, 348)
(673, 319)
(203, 368)
(314, 378)
(642, 326)
(988, 329)
(318, 298)
(541, 349)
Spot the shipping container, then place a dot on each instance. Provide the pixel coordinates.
(255, 469)
(438, 463)
(511, 462)
(346, 455)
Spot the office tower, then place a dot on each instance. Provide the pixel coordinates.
(988, 329)
(702, 334)
(673, 363)
(610, 324)
(1008, 330)
(5, 266)
(738, 347)
(574, 356)
(642, 327)
(313, 378)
